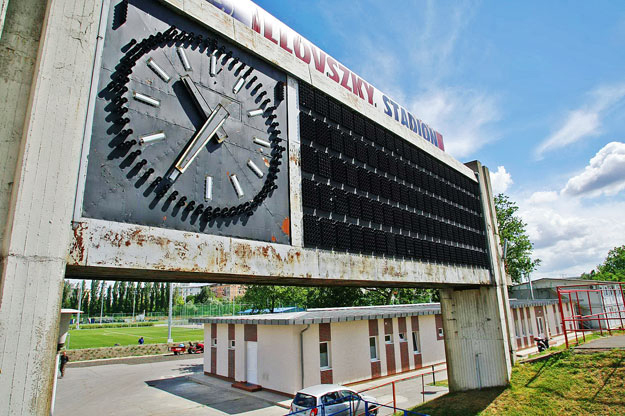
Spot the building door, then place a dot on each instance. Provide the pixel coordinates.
(251, 362)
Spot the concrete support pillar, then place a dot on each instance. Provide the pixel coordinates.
(477, 322)
(46, 61)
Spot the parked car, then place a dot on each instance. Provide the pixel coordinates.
(330, 400)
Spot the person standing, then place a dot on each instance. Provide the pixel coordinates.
(64, 360)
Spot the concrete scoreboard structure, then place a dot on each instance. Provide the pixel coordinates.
(206, 141)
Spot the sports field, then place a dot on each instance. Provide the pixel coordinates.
(108, 337)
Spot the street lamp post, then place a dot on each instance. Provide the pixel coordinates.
(171, 301)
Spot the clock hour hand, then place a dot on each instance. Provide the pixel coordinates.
(201, 104)
(214, 122)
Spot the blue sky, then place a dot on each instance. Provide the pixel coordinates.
(534, 90)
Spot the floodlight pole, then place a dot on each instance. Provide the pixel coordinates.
(529, 279)
(171, 301)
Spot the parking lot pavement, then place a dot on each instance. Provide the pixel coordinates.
(152, 388)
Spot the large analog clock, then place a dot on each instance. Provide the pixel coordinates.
(189, 132)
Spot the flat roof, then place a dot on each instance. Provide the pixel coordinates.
(326, 315)
(330, 315)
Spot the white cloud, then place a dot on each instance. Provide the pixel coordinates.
(605, 174)
(462, 116)
(413, 67)
(500, 180)
(585, 121)
(571, 237)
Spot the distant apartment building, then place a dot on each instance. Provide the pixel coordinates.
(228, 292)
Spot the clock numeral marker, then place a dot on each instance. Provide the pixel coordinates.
(236, 185)
(262, 142)
(183, 58)
(208, 188)
(152, 137)
(146, 99)
(213, 64)
(254, 113)
(159, 71)
(255, 168)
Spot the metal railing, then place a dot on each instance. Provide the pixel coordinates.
(393, 383)
(604, 302)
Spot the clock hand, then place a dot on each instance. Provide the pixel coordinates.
(201, 104)
(214, 122)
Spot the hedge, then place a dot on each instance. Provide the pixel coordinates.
(120, 325)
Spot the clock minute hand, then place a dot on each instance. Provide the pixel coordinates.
(214, 122)
(201, 104)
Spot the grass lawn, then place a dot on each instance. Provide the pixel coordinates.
(562, 384)
(108, 337)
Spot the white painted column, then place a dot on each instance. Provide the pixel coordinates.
(478, 322)
(46, 52)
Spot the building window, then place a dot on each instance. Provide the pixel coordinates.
(416, 344)
(231, 344)
(324, 354)
(402, 337)
(388, 338)
(517, 328)
(539, 324)
(440, 332)
(373, 348)
(214, 342)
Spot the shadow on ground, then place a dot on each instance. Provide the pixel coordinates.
(227, 401)
(464, 403)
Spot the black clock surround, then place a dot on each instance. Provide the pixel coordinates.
(131, 179)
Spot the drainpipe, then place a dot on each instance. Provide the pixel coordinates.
(301, 351)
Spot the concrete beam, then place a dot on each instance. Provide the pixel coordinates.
(477, 322)
(110, 250)
(46, 56)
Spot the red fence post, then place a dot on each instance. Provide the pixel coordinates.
(566, 338)
(394, 399)
(579, 311)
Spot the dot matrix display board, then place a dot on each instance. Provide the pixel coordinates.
(366, 190)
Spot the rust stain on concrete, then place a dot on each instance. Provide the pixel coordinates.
(78, 244)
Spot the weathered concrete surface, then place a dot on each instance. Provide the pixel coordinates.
(44, 86)
(126, 251)
(477, 322)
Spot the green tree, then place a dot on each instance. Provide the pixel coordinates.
(518, 259)
(206, 295)
(612, 268)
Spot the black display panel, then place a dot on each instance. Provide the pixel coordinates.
(366, 190)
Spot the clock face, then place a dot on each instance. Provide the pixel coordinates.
(189, 132)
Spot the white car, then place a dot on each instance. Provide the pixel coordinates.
(330, 400)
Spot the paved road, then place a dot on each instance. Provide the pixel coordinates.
(152, 388)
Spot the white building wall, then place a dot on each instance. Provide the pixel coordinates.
(240, 369)
(350, 351)
(278, 357)
(312, 375)
(433, 351)
(207, 348)
(222, 350)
